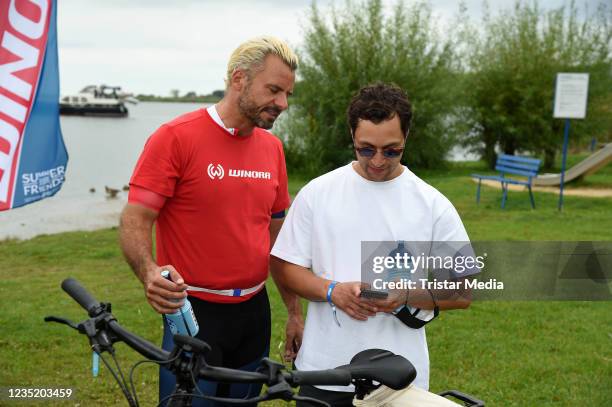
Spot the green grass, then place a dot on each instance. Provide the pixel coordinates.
(509, 354)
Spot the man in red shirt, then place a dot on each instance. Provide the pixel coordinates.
(214, 184)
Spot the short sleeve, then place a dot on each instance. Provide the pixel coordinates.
(449, 227)
(451, 239)
(294, 241)
(282, 193)
(158, 167)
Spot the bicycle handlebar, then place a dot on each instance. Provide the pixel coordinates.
(140, 345)
(330, 377)
(82, 296)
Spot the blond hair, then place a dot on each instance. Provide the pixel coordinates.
(250, 55)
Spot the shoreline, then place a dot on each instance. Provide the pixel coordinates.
(56, 217)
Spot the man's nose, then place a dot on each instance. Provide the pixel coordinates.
(281, 101)
(379, 159)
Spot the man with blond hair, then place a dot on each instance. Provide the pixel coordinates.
(214, 184)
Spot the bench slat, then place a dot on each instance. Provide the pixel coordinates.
(491, 177)
(515, 171)
(520, 166)
(519, 158)
(505, 180)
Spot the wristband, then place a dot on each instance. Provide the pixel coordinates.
(330, 288)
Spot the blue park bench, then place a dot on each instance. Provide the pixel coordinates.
(511, 165)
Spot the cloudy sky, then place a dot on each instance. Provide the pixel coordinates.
(153, 46)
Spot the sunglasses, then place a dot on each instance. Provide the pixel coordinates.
(369, 152)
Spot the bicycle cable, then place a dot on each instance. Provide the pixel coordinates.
(213, 398)
(125, 384)
(122, 386)
(142, 362)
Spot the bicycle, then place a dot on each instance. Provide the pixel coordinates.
(367, 371)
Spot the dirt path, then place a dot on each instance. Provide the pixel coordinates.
(586, 192)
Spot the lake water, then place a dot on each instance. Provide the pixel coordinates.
(102, 152)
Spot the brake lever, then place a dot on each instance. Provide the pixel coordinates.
(65, 321)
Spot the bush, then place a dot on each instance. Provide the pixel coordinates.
(512, 62)
(356, 46)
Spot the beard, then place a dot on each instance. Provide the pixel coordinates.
(249, 109)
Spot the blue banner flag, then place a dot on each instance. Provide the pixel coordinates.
(33, 156)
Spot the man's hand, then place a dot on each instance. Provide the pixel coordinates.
(396, 299)
(346, 297)
(160, 292)
(294, 333)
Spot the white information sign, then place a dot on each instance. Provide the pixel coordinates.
(571, 95)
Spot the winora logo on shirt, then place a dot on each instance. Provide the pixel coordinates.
(217, 171)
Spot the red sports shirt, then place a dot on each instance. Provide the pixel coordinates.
(222, 190)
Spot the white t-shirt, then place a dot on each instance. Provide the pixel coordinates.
(323, 231)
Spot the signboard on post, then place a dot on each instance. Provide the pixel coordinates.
(571, 93)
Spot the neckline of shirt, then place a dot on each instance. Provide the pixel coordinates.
(214, 115)
(379, 184)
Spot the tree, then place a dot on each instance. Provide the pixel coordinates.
(512, 62)
(357, 46)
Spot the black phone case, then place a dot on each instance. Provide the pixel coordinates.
(379, 295)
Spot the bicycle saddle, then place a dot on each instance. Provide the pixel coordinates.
(382, 366)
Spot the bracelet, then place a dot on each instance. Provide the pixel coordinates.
(330, 288)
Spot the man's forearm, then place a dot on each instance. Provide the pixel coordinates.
(136, 242)
(444, 299)
(291, 299)
(298, 280)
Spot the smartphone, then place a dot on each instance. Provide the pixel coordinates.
(377, 295)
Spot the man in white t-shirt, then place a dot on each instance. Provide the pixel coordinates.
(318, 250)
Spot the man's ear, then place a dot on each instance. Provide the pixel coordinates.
(238, 79)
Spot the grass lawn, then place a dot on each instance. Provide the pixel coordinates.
(508, 354)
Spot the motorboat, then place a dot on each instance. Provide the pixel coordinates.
(95, 100)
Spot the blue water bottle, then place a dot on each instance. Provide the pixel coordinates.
(183, 321)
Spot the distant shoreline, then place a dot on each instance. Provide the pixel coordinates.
(146, 98)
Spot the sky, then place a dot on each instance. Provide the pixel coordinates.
(155, 46)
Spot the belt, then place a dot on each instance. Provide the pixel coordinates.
(232, 292)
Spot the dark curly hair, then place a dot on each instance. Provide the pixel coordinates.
(379, 102)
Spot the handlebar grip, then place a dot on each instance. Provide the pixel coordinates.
(330, 377)
(81, 295)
